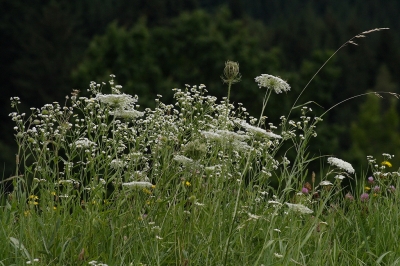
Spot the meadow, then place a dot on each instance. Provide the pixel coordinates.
(196, 182)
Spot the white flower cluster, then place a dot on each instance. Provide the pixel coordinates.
(137, 184)
(183, 159)
(271, 82)
(84, 143)
(260, 131)
(127, 114)
(119, 100)
(299, 208)
(341, 164)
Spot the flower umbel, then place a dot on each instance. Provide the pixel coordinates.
(341, 164)
(272, 83)
(299, 208)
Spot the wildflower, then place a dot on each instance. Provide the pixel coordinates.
(376, 189)
(117, 100)
(127, 114)
(230, 135)
(367, 188)
(341, 164)
(272, 82)
(278, 255)
(364, 197)
(348, 196)
(260, 131)
(187, 183)
(298, 208)
(325, 183)
(253, 216)
(274, 202)
(117, 164)
(392, 188)
(84, 143)
(304, 190)
(386, 163)
(231, 72)
(340, 177)
(137, 184)
(183, 159)
(370, 180)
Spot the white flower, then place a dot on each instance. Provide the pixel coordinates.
(274, 202)
(278, 255)
(127, 114)
(232, 135)
(341, 164)
(183, 159)
(257, 130)
(84, 143)
(272, 82)
(117, 164)
(211, 135)
(340, 177)
(253, 216)
(137, 184)
(325, 183)
(298, 208)
(119, 100)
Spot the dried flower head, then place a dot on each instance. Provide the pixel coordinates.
(231, 72)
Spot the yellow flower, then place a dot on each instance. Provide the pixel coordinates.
(187, 183)
(145, 190)
(387, 163)
(367, 188)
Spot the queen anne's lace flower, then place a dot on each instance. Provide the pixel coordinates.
(118, 100)
(183, 159)
(260, 131)
(127, 114)
(341, 164)
(299, 208)
(271, 82)
(84, 143)
(325, 183)
(137, 184)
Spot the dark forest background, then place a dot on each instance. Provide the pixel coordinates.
(50, 47)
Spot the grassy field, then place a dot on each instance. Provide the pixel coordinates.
(199, 182)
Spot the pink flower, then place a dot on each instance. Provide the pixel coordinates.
(304, 190)
(364, 197)
(348, 196)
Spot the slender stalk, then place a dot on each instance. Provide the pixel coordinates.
(265, 101)
(350, 41)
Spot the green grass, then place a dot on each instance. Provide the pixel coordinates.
(199, 182)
